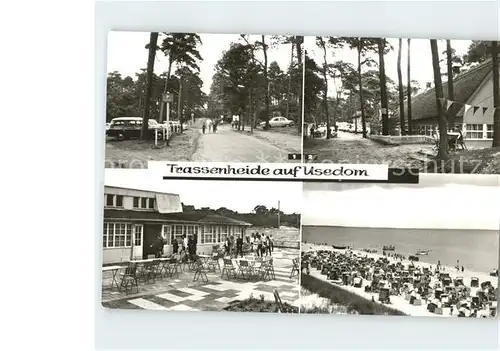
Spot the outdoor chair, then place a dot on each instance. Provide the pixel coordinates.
(175, 267)
(213, 264)
(245, 269)
(228, 268)
(270, 267)
(279, 304)
(129, 277)
(200, 271)
(147, 272)
(295, 268)
(265, 270)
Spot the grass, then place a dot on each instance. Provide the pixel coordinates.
(338, 296)
(479, 161)
(253, 304)
(136, 153)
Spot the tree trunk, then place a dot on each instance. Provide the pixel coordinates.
(289, 92)
(438, 89)
(410, 127)
(164, 104)
(298, 49)
(401, 92)
(250, 111)
(450, 112)
(266, 79)
(325, 91)
(361, 98)
(153, 39)
(496, 95)
(179, 104)
(383, 87)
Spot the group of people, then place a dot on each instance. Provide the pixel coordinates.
(209, 125)
(233, 247)
(185, 247)
(262, 245)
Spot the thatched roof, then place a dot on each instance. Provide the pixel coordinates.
(424, 106)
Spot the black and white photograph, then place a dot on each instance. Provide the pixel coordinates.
(427, 249)
(203, 97)
(199, 245)
(430, 104)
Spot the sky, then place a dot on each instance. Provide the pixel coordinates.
(237, 196)
(420, 58)
(127, 53)
(451, 205)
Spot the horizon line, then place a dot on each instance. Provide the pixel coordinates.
(426, 228)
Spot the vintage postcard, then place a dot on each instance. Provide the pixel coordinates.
(203, 97)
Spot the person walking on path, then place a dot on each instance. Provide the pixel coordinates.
(203, 128)
(271, 244)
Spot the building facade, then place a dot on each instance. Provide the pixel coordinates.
(473, 87)
(135, 219)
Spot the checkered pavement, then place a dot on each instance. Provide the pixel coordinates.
(216, 294)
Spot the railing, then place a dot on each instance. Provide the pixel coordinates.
(400, 140)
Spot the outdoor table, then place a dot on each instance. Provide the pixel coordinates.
(146, 260)
(114, 270)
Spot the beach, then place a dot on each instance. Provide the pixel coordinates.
(400, 302)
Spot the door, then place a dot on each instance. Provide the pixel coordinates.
(150, 239)
(138, 230)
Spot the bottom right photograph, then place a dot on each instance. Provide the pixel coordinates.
(427, 249)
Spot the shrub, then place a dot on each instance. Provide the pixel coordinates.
(353, 302)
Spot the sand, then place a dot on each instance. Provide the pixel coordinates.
(399, 302)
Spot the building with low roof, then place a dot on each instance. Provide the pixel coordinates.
(135, 219)
(473, 87)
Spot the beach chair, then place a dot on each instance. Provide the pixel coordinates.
(279, 304)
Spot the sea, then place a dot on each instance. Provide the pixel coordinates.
(477, 250)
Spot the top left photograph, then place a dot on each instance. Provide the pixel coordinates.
(203, 97)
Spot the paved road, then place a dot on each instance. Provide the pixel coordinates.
(228, 145)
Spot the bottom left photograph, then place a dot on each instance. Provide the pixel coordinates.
(199, 245)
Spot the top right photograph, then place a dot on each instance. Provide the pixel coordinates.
(427, 104)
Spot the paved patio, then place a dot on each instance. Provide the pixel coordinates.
(182, 294)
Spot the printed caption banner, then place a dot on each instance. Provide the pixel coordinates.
(327, 172)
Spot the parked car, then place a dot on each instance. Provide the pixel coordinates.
(278, 122)
(131, 127)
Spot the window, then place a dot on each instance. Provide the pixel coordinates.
(144, 202)
(489, 131)
(119, 200)
(208, 234)
(178, 231)
(111, 234)
(151, 203)
(110, 200)
(166, 233)
(223, 233)
(105, 235)
(136, 202)
(117, 234)
(137, 235)
(474, 131)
